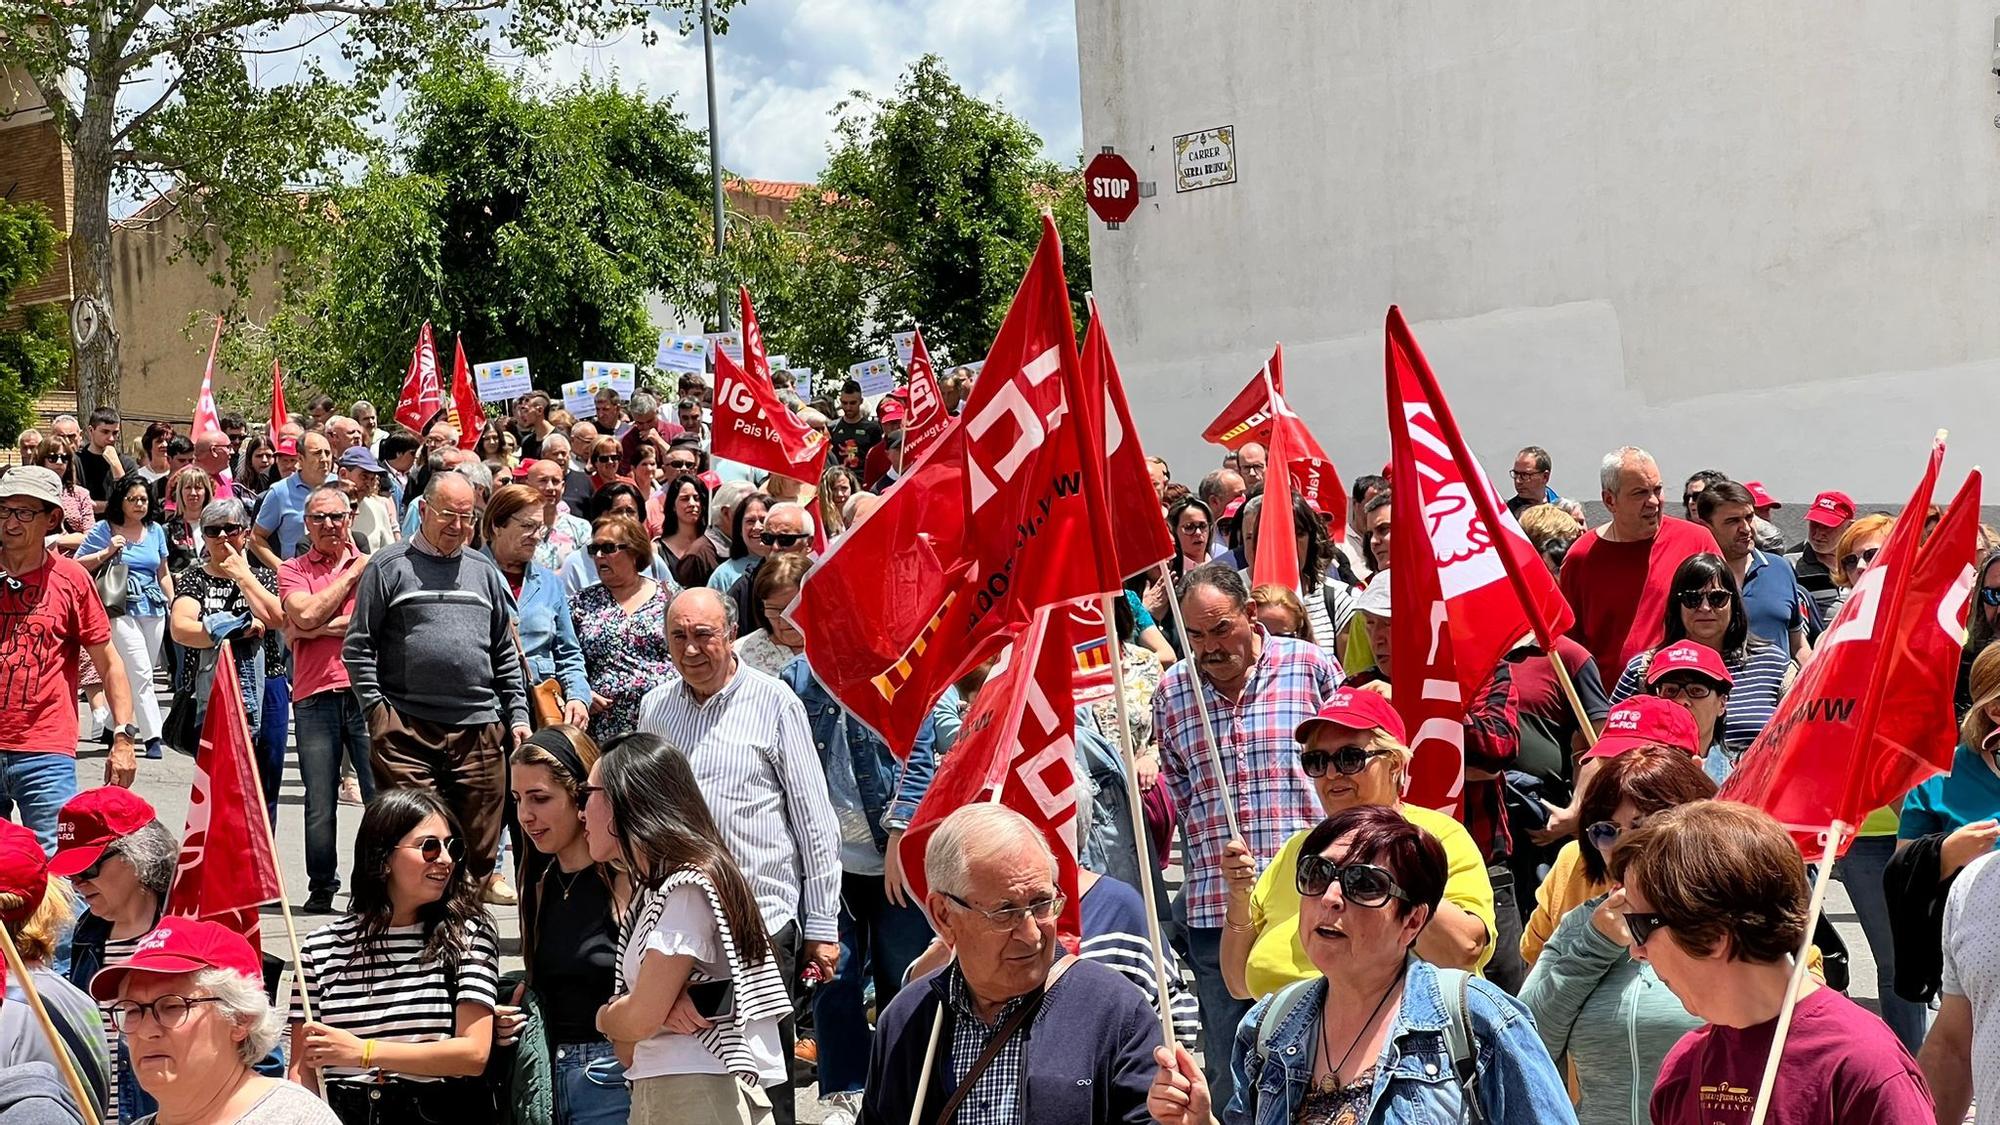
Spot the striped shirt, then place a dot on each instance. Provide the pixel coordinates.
(1114, 935)
(388, 991)
(753, 755)
(1274, 798)
(117, 951)
(1760, 674)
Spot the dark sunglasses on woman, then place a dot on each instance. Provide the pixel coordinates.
(1695, 599)
(1362, 884)
(1860, 559)
(433, 848)
(599, 550)
(1989, 595)
(1346, 761)
(1642, 926)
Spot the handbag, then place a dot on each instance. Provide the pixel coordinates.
(545, 699)
(113, 587)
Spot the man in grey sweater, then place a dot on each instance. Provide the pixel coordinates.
(430, 652)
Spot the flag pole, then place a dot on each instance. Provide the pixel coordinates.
(284, 898)
(930, 1060)
(1138, 810)
(58, 1048)
(1201, 711)
(1813, 908)
(1583, 722)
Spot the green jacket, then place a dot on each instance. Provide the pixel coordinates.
(525, 1067)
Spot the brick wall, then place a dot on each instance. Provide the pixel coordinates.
(34, 169)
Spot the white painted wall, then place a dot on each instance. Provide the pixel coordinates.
(1754, 237)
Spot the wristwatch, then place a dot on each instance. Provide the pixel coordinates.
(129, 730)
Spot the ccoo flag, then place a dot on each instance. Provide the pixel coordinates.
(1871, 715)
(205, 418)
(226, 867)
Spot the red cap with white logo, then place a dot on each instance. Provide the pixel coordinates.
(1830, 509)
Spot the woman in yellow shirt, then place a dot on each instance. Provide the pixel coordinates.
(1354, 751)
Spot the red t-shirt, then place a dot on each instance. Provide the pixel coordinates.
(1619, 590)
(1841, 1064)
(316, 663)
(47, 616)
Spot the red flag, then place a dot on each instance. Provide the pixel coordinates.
(928, 418)
(205, 418)
(1871, 715)
(1018, 747)
(226, 869)
(466, 411)
(1255, 414)
(1006, 515)
(1277, 559)
(1083, 620)
(422, 396)
(279, 415)
(1248, 416)
(751, 426)
(1139, 541)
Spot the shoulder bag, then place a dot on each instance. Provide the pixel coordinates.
(1001, 1035)
(545, 699)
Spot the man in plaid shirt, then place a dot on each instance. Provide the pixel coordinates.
(1258, 689)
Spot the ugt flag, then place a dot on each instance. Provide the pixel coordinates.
(226, 868)
(1018, 748)
(422, 395)
(205, 418)
(928, 418)
(751, 426)
(1465, 582)
(1871, 714)
(1007, 514)
(467, 413)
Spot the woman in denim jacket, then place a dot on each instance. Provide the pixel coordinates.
(1374, 1048)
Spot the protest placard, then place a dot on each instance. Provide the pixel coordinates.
(502, 379)
(877, 376)
(682, 353)
(729, 343)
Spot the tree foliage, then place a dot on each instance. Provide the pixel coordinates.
(535, 222)
(34, 342)
(928, 213)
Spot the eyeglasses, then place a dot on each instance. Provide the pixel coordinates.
(171, 1011)
(1676, 692)
(1643, 925)
(326, 517)
(11, 514)
(1860, 560)
(447, 516)
(1520, 474)
(1362, 884)
(435, 848)
(600, 550)
(90, 874)
(1009, 917)
(1346, 761)
(533, 529)
(781, 539)
(218, 530)
(583, 792)
(1696, 599)
(1988, 595)
(1194, 529)
(1605, 833)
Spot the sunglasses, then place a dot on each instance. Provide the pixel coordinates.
(55, 458)
(1346, 761)
(600, 550)
(1605, 833)
(1861, 559)
(218, 530)
(327, 517)
(435, 848)
(90, 874)
(1989, 595)
(1673, 692)
(1643, 925)
(1696, 599)
(604, 460)
(1362, 884)
(781, 539)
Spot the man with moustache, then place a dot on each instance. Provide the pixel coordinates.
(1258, 688)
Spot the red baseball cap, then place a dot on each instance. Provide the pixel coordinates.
(24, 871)
(182, 945)
(1760, 498)
(1688, 656)
(285, 447)
(93, 821)
(1830, 509)
(1230, 509)
(1355, 709)
(892, 411)
(1644, 720)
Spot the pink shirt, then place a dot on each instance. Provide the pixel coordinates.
(316, 663)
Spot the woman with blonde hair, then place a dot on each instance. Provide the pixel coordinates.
(1280, 611)
(1356, 753)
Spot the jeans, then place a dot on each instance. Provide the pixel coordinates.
(39, 785)
(330, 729)
(1861, 872)
(876, 939)
(272, 734)
(589, 1085)
(1221, 1013)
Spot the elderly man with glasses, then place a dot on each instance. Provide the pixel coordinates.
(430, 654)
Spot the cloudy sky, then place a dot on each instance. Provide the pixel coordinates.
(785, 63)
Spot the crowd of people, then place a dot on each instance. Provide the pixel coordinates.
(552, 666)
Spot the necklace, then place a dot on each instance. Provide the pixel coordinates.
(1331, 1081)
(568, 884)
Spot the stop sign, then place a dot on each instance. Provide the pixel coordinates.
(1111, 187)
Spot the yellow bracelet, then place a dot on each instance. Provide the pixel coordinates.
(367, 1052)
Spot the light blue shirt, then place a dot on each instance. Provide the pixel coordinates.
(283, 514)
(726, 575)
(736, 470)
(145, 560)
(580, 572)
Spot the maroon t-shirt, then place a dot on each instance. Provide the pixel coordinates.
(1842, 1065)
(1619, 590)
(47, 616)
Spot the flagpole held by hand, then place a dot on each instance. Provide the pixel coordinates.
(930, 1061)
(1821, 877)
(1583, 722)
(58, 1048)
(1136, 803)
(1207, 724)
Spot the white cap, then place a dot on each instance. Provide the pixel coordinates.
(1374, 599)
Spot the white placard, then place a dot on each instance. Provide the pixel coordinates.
(906, 347)
(620, 377)
(877, 376)
(729, 343)
(802, 381)
(682, 353)
(579, 399)
(501, 379)
(779, 363)
(1205, 159)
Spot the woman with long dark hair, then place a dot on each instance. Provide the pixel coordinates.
(404, 985)
(257, 465)
(699, 996)
(746, 543)
(570, 906)
(684, 544)
(130, 533)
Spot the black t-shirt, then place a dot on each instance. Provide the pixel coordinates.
(853, 440)
(95, 472)
(576, 954)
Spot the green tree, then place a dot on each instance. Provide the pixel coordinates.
(928, 213)
(34, 351)
(534, 222)
(180, 95)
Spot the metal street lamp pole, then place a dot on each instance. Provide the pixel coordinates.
(714, 163)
